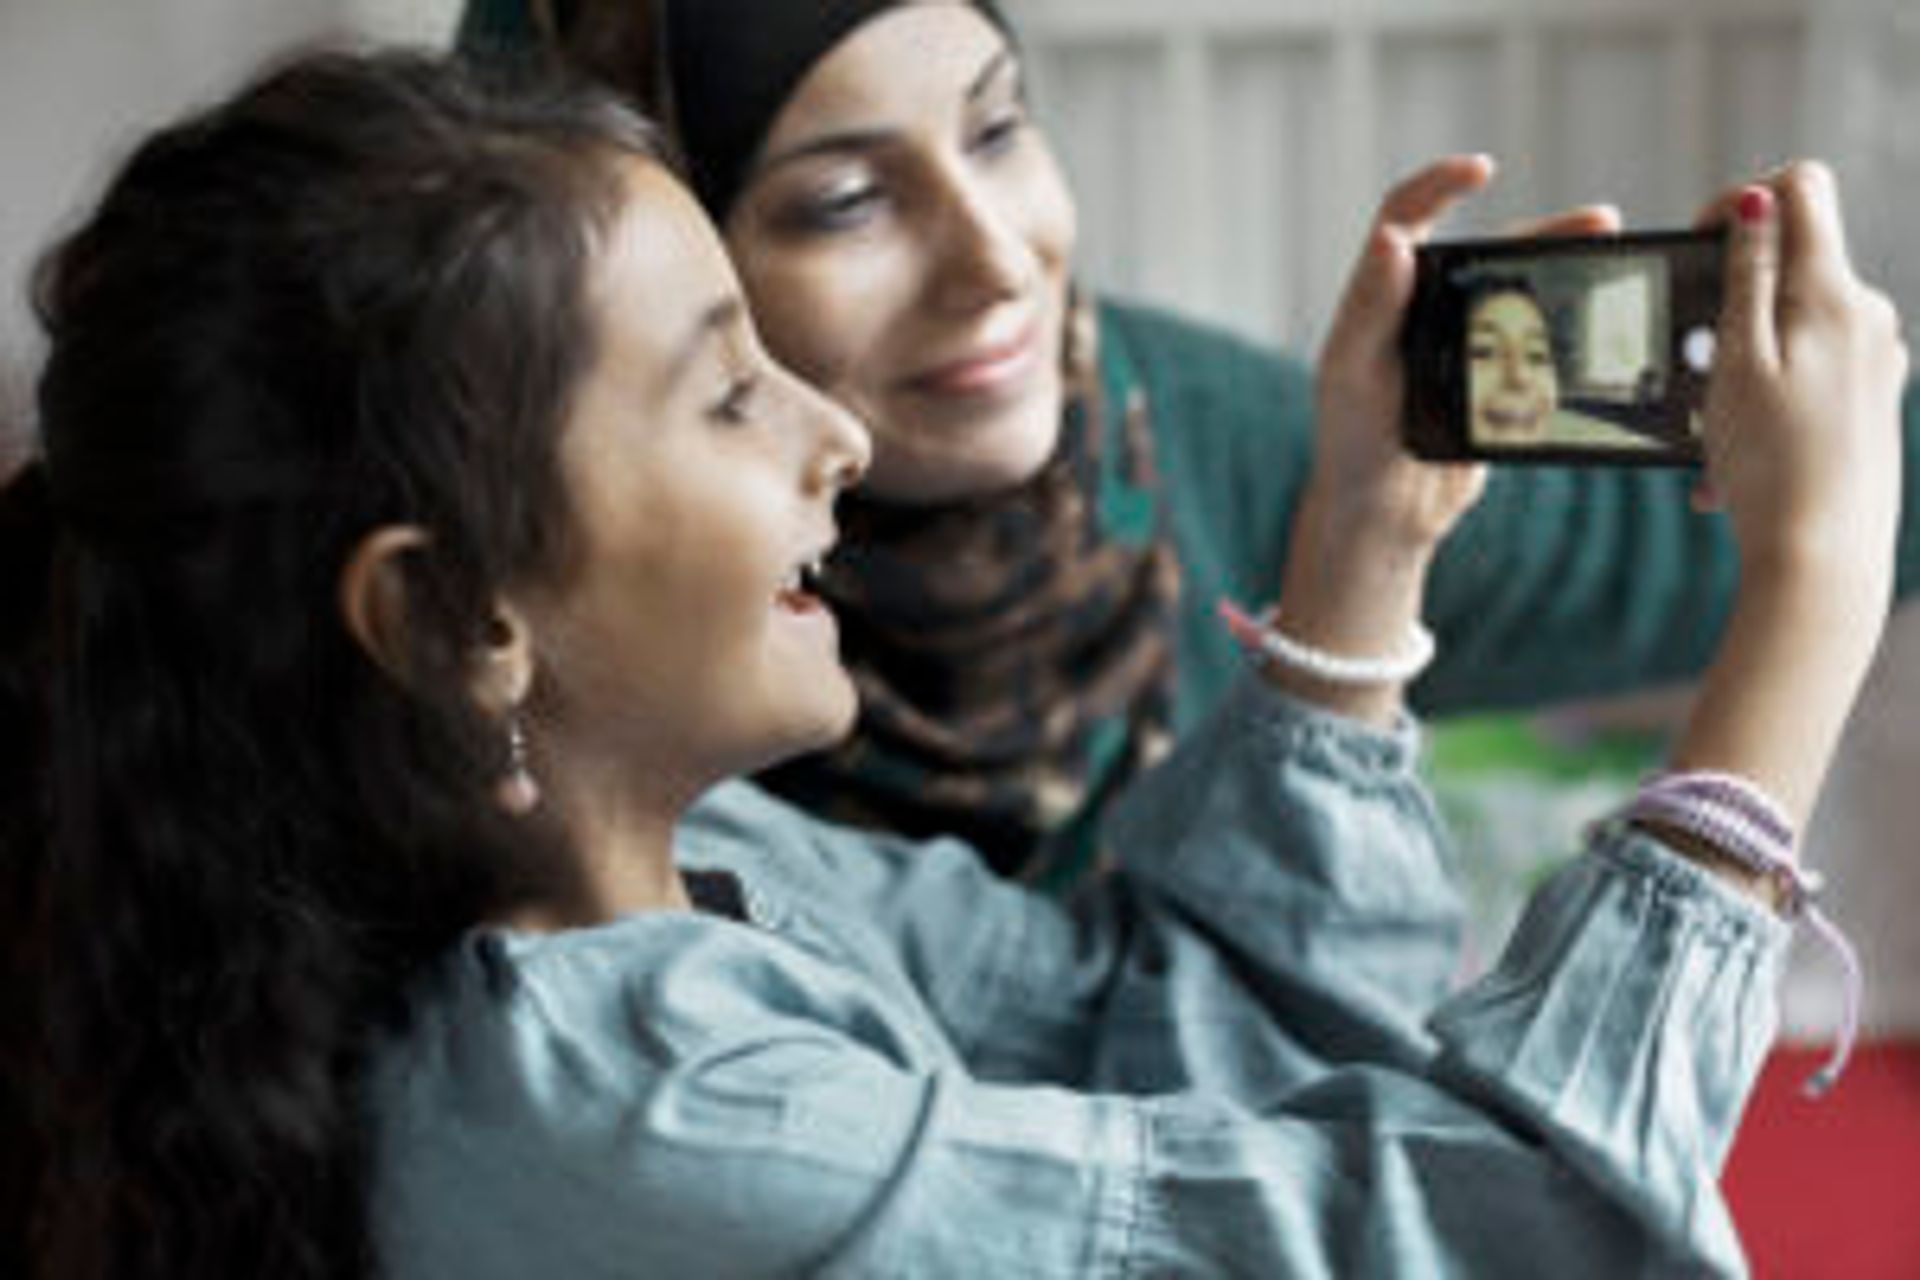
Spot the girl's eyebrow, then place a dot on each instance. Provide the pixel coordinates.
(1000, 61)
(716, 320)
(855, 140)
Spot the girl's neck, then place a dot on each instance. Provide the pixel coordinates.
(621, 833)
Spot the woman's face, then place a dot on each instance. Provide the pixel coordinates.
(1512, 386)
(702, 478)
(904, 237)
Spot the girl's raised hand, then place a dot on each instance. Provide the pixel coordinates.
(1362, 381)
(1803, 414)
(1361, 468)
(1372, 513)
(1804, 452)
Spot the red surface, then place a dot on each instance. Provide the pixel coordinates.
(1830, 1190)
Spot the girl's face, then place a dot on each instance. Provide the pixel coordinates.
(1512, 385)
(702, 475)
(904, 237)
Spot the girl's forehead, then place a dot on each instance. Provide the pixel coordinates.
(1509, 306)
(661, 264)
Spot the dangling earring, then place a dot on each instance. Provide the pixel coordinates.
(516, 793)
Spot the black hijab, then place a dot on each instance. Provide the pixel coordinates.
(732, 64)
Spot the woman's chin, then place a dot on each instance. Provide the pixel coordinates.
(952, 465)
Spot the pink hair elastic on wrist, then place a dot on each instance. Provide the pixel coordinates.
(1745, 824)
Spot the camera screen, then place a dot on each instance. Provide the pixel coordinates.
(1563, 350)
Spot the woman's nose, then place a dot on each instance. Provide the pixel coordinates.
(984, 257)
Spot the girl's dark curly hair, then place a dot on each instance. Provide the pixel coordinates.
(354, 295)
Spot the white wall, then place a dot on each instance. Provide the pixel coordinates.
(1228, 152)
(81, 80)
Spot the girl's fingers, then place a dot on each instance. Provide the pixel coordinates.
(1587, 220)
(1719, 211)
(1814, 239)
(1367, 321)
(1747, 331)
(1415, 204)
(1812, 235)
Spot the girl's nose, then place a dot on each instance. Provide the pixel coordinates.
(1513, 371)
(843, 448)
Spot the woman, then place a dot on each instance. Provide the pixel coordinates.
(1030, 574)
(421, 528)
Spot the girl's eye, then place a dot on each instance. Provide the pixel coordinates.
(735, 405)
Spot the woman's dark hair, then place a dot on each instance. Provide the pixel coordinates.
(354, 295)
(718, 72)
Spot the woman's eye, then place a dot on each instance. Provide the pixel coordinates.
(837, 208)
(1000, 134)
(735, 405)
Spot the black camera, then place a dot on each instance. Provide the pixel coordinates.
(1583, 349)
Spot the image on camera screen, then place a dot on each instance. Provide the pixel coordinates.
(1579, 353)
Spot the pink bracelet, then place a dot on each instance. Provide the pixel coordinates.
(1745, 824)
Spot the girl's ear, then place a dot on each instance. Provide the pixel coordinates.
(500, 672)
(374, 606)
(373, 596)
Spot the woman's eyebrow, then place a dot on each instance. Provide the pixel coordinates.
(826, 144)
(867, 139)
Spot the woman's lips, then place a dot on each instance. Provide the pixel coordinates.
(988, 369)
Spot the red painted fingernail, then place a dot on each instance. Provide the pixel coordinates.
(1755, 204)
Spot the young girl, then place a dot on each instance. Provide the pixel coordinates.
(1064, 485)
(421, 528)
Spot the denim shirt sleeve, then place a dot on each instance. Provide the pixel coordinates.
(1279, 900)
(1252, 1096)
(747, 1103)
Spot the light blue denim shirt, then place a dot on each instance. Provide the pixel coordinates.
(1232, 1056)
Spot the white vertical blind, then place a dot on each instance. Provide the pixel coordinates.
(1227, 153)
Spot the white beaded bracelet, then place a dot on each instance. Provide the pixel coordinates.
(1263, 640)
